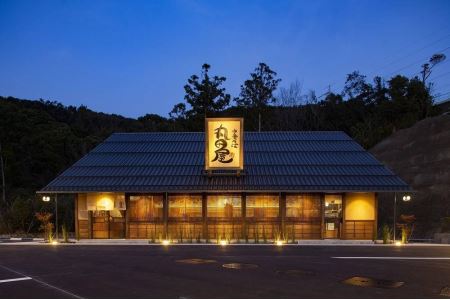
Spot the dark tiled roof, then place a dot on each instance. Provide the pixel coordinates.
(273, 161)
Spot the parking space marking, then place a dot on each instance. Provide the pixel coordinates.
(392, 257)
(15, 279)
(43, 283)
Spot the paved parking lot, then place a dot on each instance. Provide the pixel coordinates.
(142, 271)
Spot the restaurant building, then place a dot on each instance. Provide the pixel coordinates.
(224, 184)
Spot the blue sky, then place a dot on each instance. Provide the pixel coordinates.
(133, 57)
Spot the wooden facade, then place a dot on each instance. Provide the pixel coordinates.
(235, 217)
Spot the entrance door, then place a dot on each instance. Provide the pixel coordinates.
(333, 216)
(108, 224)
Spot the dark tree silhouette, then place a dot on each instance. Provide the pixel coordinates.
(257, 92)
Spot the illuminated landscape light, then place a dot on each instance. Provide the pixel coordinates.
(398, 243)
(54, 243)
(165, 242)
(280, 243)
(223, 243)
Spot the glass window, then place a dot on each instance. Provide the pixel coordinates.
(333, 206)
(224, 206)
(303, 206)
(185, 206)
(262, 206)
(82, 207)
(146, 208)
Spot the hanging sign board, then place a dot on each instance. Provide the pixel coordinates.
(224, 147)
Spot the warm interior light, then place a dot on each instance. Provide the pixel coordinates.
(165, 242)
(398, 243)
(45, 198)
(280, 243)
(223, 243)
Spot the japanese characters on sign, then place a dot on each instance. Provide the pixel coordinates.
(224, 143)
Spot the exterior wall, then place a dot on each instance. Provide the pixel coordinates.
(255, 217)
(360, 216)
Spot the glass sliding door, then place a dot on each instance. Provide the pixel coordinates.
(303, 217)
(333, 216)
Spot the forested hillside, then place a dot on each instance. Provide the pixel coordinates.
(39, 139)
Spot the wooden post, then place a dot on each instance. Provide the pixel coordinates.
(77, 231)
(244, 214)
(343, 231)
(322, 213)
(205, 216)
(375, 235)
(166, 215)
(91, 234)
(282, 213)
(127, 216)
(108, 218)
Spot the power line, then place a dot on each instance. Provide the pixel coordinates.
(416, 62)
(327, 89)
(411, 53)
(440, 75)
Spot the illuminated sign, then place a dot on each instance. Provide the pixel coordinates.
(224, 147)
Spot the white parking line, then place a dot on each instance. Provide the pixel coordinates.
(15, 279)
(43, 283)
(392, 257)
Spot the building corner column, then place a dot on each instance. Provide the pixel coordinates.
(375, 223)
(77, 229)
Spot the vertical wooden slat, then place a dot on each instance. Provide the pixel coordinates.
(344, 228)
(322, 213)
(282, 207)
(375, 228)
(127, 216)
(244, 215)
(204, 216)
(108, 219)
(91, 235)
(166, 214)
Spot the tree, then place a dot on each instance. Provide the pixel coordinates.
(428, 67)
(291, 96)
(357, 88)
(204, 94)
(257, 92)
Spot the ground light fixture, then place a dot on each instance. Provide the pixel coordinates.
(398, 243)
(165, 242)
(279, 243)
(54, 243)
(223, 243)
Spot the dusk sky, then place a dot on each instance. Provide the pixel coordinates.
(133, 57)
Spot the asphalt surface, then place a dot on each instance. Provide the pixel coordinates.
(48, 271)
